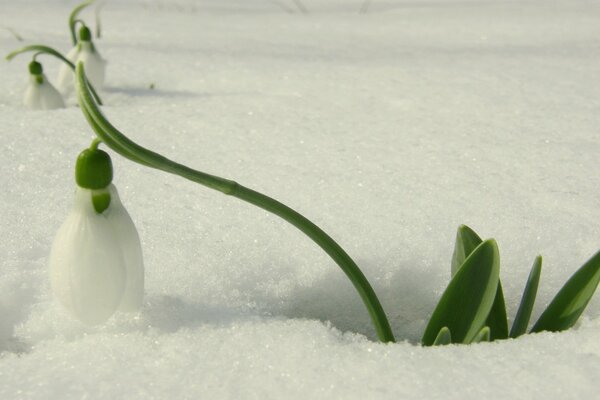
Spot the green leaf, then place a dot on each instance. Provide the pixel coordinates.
(571, 300)
(497, 320)
(444, 337)
(468, 299)
(524, 313)
(482, 336)
(466, 241)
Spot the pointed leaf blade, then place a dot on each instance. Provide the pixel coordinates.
(468, 299)
(571, 300)
(466, 241)
(443, 338)
(497, 320)
(483, 335)
(521, 321)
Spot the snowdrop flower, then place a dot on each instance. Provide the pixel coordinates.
(96, 265)
(40, 94)
(86, 52)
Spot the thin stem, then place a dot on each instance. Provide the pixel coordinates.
(107, 139)
(73, 19)
(121, 144)
(95, 143)
(40, 49)
(74, 29)
(335, 251)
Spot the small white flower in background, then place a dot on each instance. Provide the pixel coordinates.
(40, 94)
(86, 52)
(96, 265)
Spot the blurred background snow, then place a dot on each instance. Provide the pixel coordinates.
(387, 128)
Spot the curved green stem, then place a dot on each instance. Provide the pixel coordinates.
(73, 19)
(335, 251)
(41, 49)
(124, 146)
(95, 143)
(73, 28)
(108, 140)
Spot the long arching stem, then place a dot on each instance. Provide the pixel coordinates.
(40, 49)
(73, 19)
(129, 149)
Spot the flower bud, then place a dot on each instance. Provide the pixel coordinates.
(35, 68)
(93, 169)
(84, 34)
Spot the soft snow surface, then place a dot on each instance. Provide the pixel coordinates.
(388, 129)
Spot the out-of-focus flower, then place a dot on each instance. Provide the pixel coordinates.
(86, 52)
(96, 265)
(40, 94)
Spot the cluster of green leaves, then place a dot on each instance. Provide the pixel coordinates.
(472, 308)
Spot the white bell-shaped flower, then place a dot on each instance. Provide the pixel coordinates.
(40, 94)
(129, 240)
(86, 52)
(96, 265)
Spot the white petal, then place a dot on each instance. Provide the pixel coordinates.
(32, 98)
(51, 98)
(94, 64)
(94, 67)
(42, 96)
(65, 81)
(129, 240)
(87, 267)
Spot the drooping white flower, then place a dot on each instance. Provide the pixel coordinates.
(40, 94)
(86, 52)
(129, 241)
(96, 265)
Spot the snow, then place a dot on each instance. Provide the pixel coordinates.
(387, 129)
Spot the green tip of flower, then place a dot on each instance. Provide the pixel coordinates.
(93, 169)
(84, 34)
(100, 201)
(35, 68)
